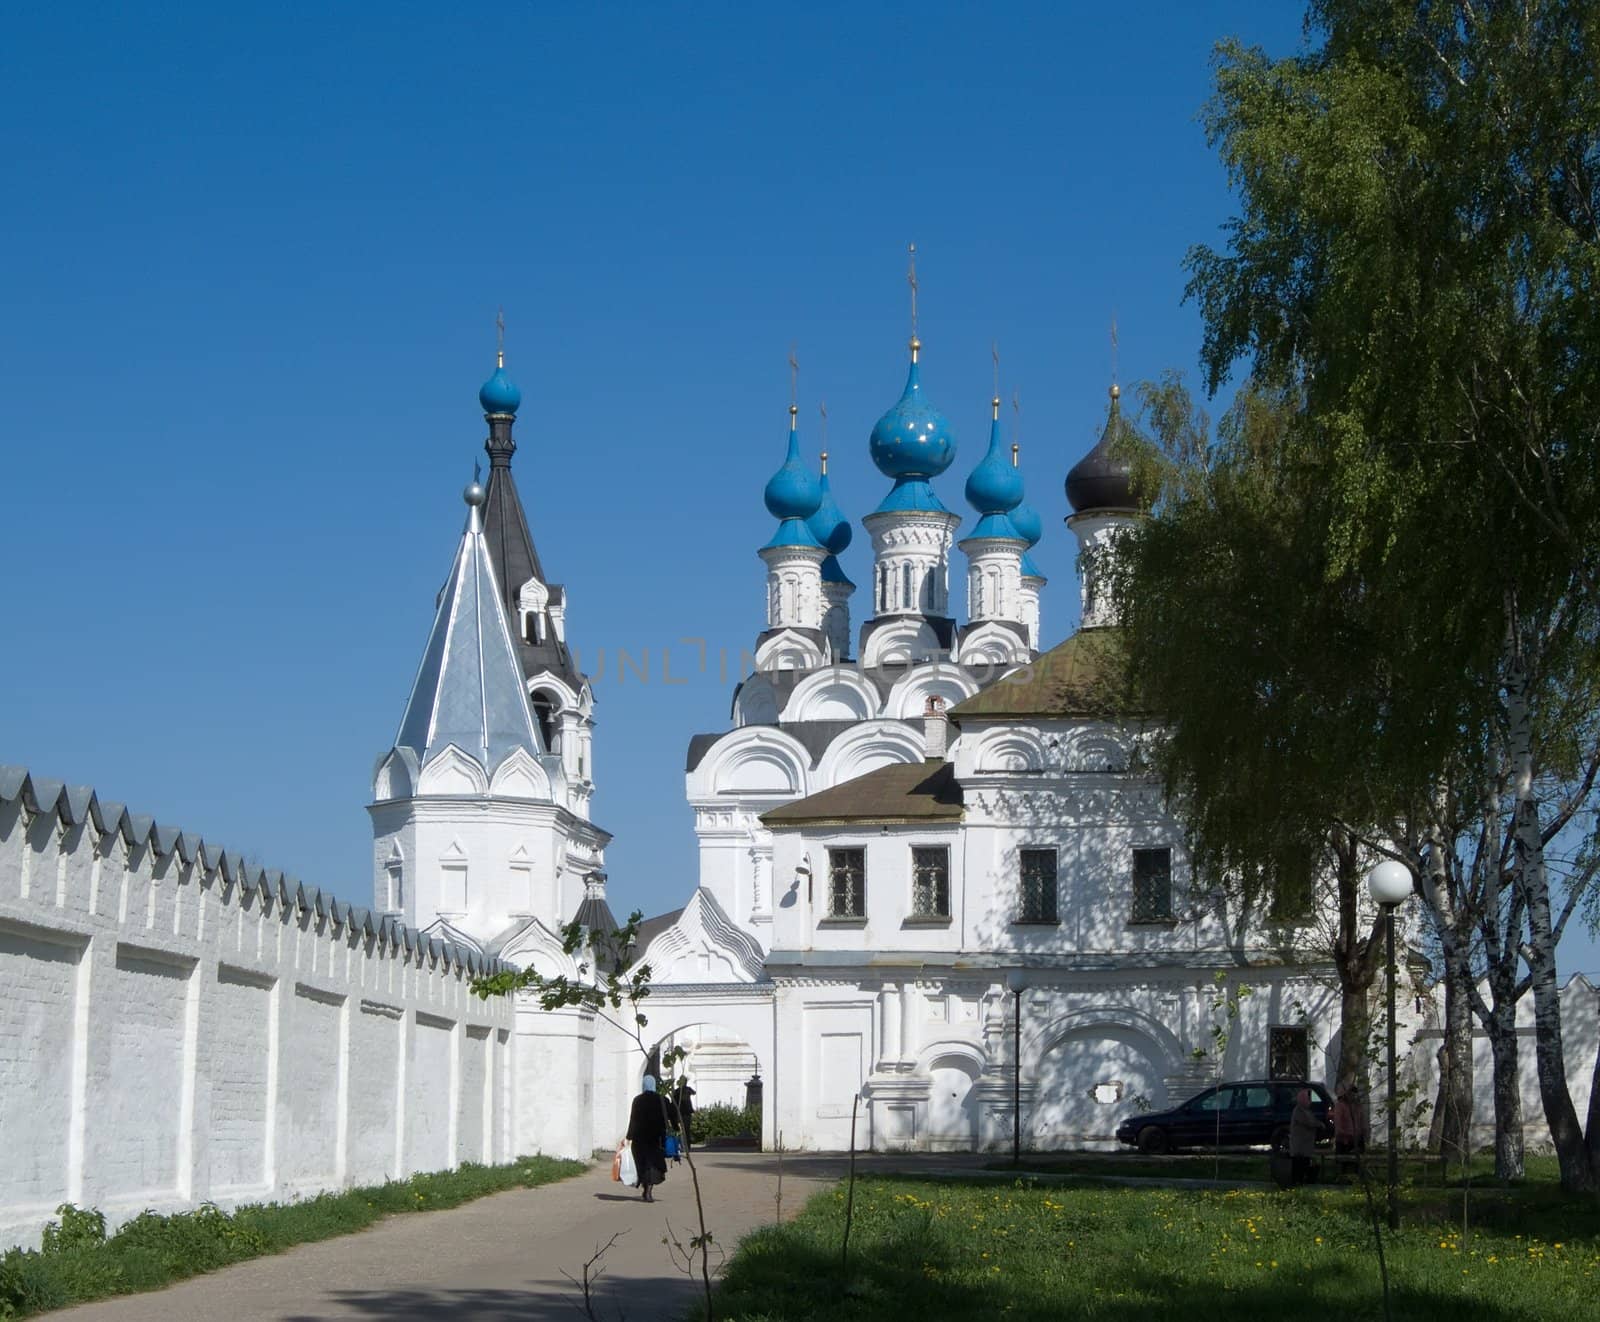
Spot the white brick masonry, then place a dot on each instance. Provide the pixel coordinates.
(176, 1026)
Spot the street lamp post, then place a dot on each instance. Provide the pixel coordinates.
(1389, 883)
(1016, 980)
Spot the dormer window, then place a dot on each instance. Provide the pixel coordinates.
(532, 599)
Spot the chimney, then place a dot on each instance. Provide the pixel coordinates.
(935, 729)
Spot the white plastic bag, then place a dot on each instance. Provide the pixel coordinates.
(629, 1171)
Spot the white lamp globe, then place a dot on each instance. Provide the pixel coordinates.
(1389, 882)
(1016, 980)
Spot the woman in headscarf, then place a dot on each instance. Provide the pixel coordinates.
(647, 1132)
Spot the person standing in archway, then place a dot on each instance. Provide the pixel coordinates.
(647, 1132)
(683, 1099)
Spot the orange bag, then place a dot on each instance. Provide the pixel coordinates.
(616, 1162)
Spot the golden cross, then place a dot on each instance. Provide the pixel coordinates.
(794, 377)
(1113, 348)
(500, 337)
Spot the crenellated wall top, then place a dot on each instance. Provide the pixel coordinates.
(76, 805)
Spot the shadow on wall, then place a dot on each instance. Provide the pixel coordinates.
(1091, 1079)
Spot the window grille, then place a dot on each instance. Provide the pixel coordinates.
(1291, 891)
(1288, 1052)
(847, 883)
(1152, 885)
(1038, 886)
(930, 882)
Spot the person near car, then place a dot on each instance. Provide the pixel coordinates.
(1302, 1137)
(1349, 1129)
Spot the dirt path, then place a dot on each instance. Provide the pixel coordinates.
(496, 1259)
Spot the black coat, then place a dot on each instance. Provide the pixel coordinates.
(647, 1131)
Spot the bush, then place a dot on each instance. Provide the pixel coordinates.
(720, 1121)
(78, 1228)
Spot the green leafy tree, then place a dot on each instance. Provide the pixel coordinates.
(1414, 264)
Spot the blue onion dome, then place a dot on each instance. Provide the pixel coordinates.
(833, 572)
(1030, 527)
(1029, 569)
(499, 393)
(1102, 480)
(995, 485)
(829, 525)
(913, 438)
(792, 493)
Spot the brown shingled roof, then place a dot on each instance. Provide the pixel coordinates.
(1079, 677)
(905, 792)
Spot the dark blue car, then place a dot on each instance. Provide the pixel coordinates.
(1248, 1113)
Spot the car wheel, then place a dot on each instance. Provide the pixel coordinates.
(1153, 1140)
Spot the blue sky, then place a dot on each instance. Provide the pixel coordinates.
(252, 262)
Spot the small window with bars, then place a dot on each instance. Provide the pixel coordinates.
(1288, 1052)
(1038, 886)
(847, 883)
(930, 882)
(1152, 885)
(1292, 889)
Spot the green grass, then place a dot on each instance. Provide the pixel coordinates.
(1235, 1166)
(957, 1249)
(1231, 1166)
(78, 1262)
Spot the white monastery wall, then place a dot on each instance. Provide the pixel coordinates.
(177, 1026)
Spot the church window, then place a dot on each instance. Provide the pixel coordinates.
(1288, 1053)
(453, 887)
(1152, 885)
(544, 711)
(1038, 886)
(906, 599)
(930, 882)
(847, 883)
(1291, 888)
(396, 897)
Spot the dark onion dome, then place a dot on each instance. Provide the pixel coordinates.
(829, 525)
(499, 394)
(1101, 480)
(913, 438)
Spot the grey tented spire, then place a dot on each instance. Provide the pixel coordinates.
(468, 690)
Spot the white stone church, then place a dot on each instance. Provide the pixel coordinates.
(899, 819)
(933, 889)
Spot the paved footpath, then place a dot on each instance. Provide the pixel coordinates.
(499, 1258)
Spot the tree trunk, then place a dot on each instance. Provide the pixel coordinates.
(1577, 1171)
(1454, 1107)
(1501, 1026)
(1355, 1037)
(1451, 1130)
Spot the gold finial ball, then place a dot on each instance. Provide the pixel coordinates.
(1116, 391)
(916, 344)
(793, 409)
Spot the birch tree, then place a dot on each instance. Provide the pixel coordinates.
(1415, 257)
